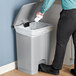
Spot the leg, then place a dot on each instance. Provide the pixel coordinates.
(66, 27)
(73, 71)
(64, 30)
(74, 42)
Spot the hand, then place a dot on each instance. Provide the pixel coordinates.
(39, 13)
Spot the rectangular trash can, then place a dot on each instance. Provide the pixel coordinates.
(33, 42)
(33, 46)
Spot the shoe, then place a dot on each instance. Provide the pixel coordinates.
(43, 66)
(48, 69)
(73, 71)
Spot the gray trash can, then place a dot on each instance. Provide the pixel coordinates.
(33, 46)
(33, 42)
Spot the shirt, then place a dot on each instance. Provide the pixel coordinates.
(66, 5)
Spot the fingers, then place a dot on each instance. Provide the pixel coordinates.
(39, 13)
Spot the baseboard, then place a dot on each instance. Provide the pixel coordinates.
(7, 68)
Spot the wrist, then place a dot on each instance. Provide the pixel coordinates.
(42, 12)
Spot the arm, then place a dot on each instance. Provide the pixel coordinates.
(46, 5)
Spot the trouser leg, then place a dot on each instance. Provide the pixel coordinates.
(74, 42)
(64, 30)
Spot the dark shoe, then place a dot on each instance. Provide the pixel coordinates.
(48, 69)
(44, 66)
(73, 71)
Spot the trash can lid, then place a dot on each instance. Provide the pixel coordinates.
(27, 13)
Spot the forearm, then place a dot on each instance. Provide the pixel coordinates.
(46, 5)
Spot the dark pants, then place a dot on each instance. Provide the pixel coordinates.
(66, 28)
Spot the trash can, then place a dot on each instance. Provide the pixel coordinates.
(33, 46)
(33, 41)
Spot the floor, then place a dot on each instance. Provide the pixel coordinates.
(64, 72)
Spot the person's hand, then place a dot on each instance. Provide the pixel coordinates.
(39, 13)
(39, 16)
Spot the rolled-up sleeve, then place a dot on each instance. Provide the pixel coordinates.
(46, 5)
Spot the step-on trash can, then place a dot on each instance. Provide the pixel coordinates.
(33, 43)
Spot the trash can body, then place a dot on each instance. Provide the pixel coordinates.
(33, 47)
